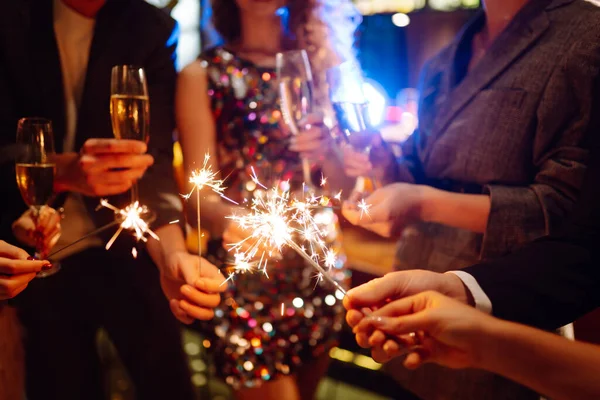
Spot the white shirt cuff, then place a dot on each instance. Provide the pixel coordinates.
(482, 301)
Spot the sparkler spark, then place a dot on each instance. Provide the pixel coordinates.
(276, 221)
(130, 219)
(201, 178)
(364, 208)
(323, 180)
(205, 177)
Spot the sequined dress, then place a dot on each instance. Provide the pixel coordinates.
(265, 326)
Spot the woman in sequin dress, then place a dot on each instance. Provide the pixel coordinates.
(271, 335)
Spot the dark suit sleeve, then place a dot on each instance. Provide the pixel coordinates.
(553, 281)
(158, 187)
(11, 203)
(521, 214)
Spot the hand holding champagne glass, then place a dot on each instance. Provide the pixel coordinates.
(295, 94)
(35, 171)
(351, 109)
(130, 107)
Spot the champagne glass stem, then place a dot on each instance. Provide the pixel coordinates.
(306, 172)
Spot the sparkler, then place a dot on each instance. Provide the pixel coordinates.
(364, 208)
(130, 218)
(275, 221)
(204, 177)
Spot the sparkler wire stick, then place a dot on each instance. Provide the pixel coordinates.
(315, 265)
(93, 233)
(199, 232)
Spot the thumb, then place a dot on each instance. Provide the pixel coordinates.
(189, 269)
(379, 291)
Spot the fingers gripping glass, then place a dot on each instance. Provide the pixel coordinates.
(295, 89)
(351, 107)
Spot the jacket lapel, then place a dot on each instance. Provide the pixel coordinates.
(516, 39)
(45, 84)
(103, 53)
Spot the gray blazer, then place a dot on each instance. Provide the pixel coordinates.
(515, 128)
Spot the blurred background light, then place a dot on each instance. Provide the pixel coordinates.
(400, 20)
(376, 98)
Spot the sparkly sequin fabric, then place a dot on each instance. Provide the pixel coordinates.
(265, 326)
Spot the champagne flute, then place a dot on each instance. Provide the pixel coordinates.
(295, 87)
(35, 171)
(130, 107)
(351, 109)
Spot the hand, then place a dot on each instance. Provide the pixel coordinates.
(393, 286)
(314, 143)
(391, 208)
(379, 162)
(193, 292)
(104, 167)
(16, 271)
(43, 230)
(452, 334)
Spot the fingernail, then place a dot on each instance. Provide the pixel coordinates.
(47, 266)
(201, 284)
(31, 258)
(187, 289)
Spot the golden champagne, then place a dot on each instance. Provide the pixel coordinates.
(130, 116)
(36, 183)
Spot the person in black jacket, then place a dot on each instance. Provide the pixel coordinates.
(56, 58)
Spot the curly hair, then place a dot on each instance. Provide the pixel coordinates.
(324, 28)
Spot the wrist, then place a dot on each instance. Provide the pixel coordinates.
(429, 200)
(486, 333)
(456, 289)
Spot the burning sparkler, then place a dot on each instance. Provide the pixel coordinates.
(201, 178)
(276, 221)
(131, 218)
(364, 208)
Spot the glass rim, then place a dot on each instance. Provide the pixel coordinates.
(35, 120)
(128, 66)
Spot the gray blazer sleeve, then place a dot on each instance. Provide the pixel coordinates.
(521, 214)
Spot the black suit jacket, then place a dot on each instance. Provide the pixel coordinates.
(126, 32)
(555, 280)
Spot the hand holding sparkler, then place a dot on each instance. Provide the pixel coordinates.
(388, 210)
(192, 291)
(17, 269)
(381, 291)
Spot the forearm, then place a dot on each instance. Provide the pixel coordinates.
(459, 210)
(545, 362)
(171, 241)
